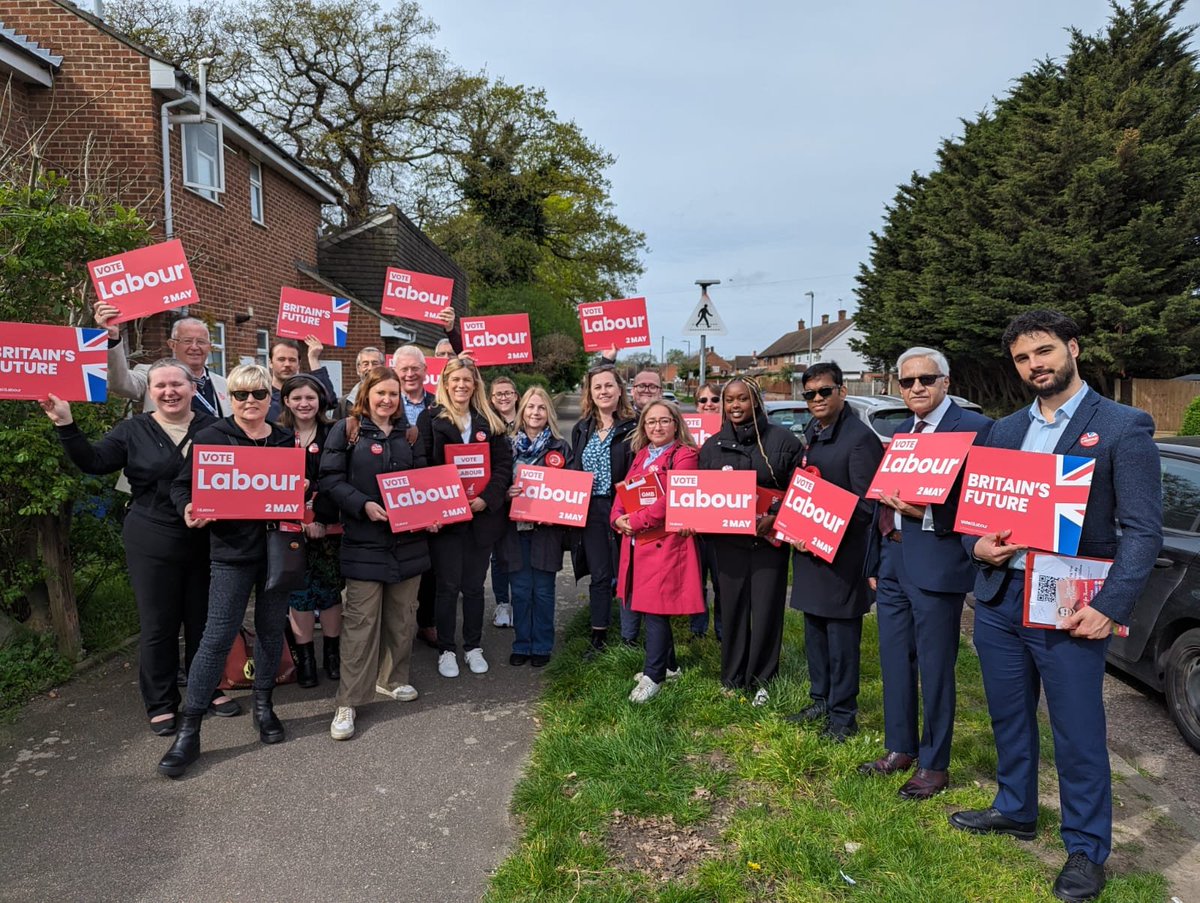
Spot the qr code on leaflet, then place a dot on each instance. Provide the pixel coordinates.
(1047, 589)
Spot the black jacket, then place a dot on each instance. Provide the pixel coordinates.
(737, 448)
(325, 509)
(231, 541)
(150, 459)
(370, 550)
(546, 540)
(620, 453)
(435, 433)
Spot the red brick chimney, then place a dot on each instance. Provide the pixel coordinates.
(841, 315)
(824, 319)
(800, 326)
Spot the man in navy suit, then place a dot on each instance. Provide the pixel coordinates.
(1066, 418)
(921, 573)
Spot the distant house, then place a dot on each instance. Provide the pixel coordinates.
(744, 364)
(829, 342)
(715, 366)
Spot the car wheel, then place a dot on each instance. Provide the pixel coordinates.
(1182, 685)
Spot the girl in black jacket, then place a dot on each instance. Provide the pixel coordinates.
(167, 562)
(461, 552)
(382, 569)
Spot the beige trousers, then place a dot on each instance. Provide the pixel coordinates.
(379, 621)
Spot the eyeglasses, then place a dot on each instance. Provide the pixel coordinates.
(192, 343)
(659, 421)
(927, 379)
(707, 400)
(504, 395)
(243, 394)
(824, 392)
(647, 387)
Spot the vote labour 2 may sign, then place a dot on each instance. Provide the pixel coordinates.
(237, 482)
(711, 501)
(416, 499)
(302, 314)
(37, 361)
(614, 324)
(922, 467)
(144, 282)
(551, 495)
(433, 372)
(815, 512)
(415, 296)
(701, 426)
(502, 339)
(1042, 498)
(473, 461)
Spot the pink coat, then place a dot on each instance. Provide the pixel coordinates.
(665, 574)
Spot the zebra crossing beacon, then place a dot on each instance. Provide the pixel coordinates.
(704, 320)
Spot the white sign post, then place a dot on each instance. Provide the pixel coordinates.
(704, 320)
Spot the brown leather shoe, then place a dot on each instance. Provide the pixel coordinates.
(926, 782)
(889, 764)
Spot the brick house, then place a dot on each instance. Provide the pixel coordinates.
(77, 90)
(830, 341)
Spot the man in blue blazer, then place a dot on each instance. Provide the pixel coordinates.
(921, 573)
(1066, 418)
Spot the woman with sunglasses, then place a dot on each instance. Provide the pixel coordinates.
(461, 551)
(658, 577)
(238, 549)
(708, 401)
(751, 570)
(600, 441)
(302, 400)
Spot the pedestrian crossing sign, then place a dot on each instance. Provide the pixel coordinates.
(704, 319)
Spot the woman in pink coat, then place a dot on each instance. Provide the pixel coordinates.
(659, 574)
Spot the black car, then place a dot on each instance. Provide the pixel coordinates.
(1163, 646)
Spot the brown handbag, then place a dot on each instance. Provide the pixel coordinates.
(239, 664)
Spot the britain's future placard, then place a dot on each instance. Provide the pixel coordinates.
(302, 314)
(144, 282)
(614, 324)
(66, 361)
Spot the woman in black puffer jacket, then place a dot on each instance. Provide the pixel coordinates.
(382, 569)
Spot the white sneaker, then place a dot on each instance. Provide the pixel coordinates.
(402, 693)
(761, 698)
(503, 616)
(342, 727)
(645, 690)
(448, 664)
(476, 662)
(671, 675)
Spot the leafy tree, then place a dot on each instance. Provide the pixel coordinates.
(1079, 190)
(678, 357)
(1191, 419)
(557, 342)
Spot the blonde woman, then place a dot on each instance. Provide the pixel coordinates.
(461, 552)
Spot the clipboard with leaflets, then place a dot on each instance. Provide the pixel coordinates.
(640, 493)
(1056, 586)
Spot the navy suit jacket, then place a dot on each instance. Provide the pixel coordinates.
(1126, 491)
(934, 559)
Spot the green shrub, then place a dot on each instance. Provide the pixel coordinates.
(28, 665)
(1191, 419)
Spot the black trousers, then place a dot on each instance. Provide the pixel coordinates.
(600, 548)
(833, 648)
(169, 573)
(427, 600)
(461, 565)
(660, 648)
(753, 584)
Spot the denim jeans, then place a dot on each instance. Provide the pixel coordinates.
(533, 604)
(499, 576)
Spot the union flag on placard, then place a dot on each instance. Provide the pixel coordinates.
(1073, 473)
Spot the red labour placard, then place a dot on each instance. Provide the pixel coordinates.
(415, 296)
(433, 372)
(701, 426)
(247, 482)
(815, 512)
(474, 463)
(66, 361)
(551, 495)
(711, 501)
(144, 282)
(922, 467)
(502, 339)
(614, 324)
(1042, 498)
(416, 499)
(302, 314)
(639, 493)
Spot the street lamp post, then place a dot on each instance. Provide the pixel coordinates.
(812, 316)
(704, 284)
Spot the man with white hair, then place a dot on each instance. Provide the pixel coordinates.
(921, 573)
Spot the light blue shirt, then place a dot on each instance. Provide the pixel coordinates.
(412, 410)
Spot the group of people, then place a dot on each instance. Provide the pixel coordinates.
(375, 591)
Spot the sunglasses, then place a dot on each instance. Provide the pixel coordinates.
(707, 400)
(243, 394)
(824, 392)
(926, 379)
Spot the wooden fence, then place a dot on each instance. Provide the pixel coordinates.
(1163, 399)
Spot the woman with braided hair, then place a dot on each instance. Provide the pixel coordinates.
(751, 571)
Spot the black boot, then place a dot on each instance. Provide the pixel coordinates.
(306, 664)
(186, 748)
(270, 729)
(331, 650)
(596, 643)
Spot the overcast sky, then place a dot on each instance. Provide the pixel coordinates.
(758, 142)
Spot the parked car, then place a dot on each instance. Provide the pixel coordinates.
(883, 413)
(1163, 646)
(792, 414)
(668, 395)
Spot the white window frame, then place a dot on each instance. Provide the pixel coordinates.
(262, 347)
(216, 351)
(195, 181)
(257, 195)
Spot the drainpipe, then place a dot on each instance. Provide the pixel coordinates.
(167, 121)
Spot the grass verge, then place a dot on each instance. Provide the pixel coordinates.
(698, 796)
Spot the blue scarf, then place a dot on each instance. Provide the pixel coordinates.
(530, 451)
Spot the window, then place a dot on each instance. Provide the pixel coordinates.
(1181, 494)
(203, 158)
(216, 353)
(262, 347)
(256, 192)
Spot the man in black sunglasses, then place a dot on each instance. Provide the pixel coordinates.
(921, 573)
